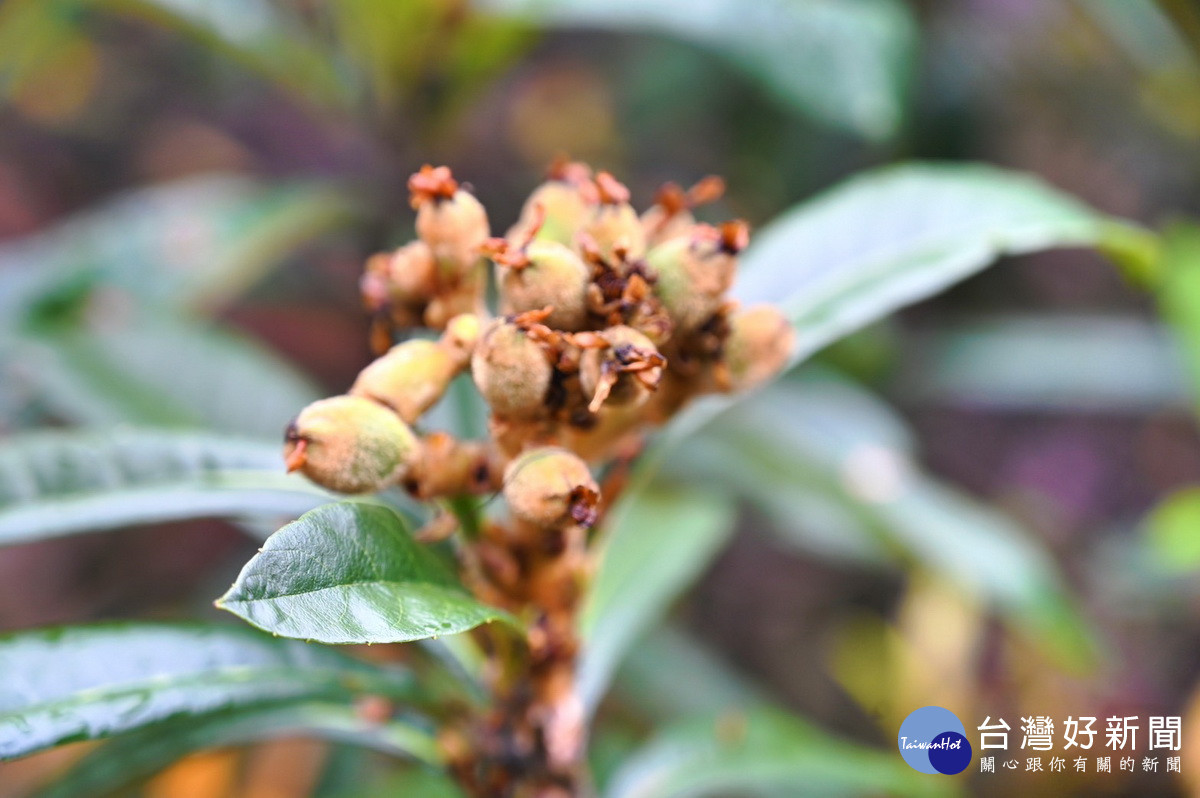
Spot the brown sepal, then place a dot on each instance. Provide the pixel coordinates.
(431, 184)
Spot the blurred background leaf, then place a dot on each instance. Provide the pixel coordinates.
(1179, 294)
(641, 574)
(1172, 529)
(835, 471)
(158, 371)
(62, 483)
(86, 683)
(255, 34)
(761, 752)
(194, 244)
(845, 63)
(891, 238)
(130, 759)
(1046, 363)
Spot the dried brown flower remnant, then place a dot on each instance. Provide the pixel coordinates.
(671, 213)
(431, 184)
(623, 372)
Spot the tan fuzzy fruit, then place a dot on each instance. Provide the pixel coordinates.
(546, 273)
(550, 487)
(404, 277)
(671, 214)
(555, 211)
(350, 444)
(695, 272)
(450, 220)
(511, 371)
(464, 298)
(614, 224)
(623, 373)
(410, 378)
(760, 344)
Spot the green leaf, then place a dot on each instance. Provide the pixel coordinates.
(658, 542)
(845, 62)
(420, 782)
(194, 243)
(86, 683)
(392, 45)
(763, 752)
(131, 758)
(158, 371)
(1173, 531)
(670, 676)
(352, 573)
(825, 435)
(802, 507)
(255, 34)
(66, 482)
(895, 236)
(1179, 295)
(1099, 363)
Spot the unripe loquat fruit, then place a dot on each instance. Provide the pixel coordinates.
(350, 444)
(409, 378)
(558, 208)
(541, 274)
(759, 346)
(449, 219)
(549, 487)
(695, 272)
(511, 371)
(404, 277)
(671, 214)
(614, 224)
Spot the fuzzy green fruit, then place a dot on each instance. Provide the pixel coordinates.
(350, 444)
(552, 275)
(549, 487)
(511, 371)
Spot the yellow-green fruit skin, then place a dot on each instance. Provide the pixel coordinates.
(354, 445)
(659, 226)
(617, 224)
(454, 229)
(410, 378)
(628, 389)
(693, 277)
(564, 210)
(410, 273)
(511, 371)
(541, 484)
(555, 276)
(760, 343)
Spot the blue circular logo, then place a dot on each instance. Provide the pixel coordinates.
(933, 740)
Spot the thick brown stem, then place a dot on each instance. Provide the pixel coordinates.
(532, 744)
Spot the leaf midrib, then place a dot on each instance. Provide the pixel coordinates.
(450, 589)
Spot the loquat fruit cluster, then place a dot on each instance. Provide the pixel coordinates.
(609, 321)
